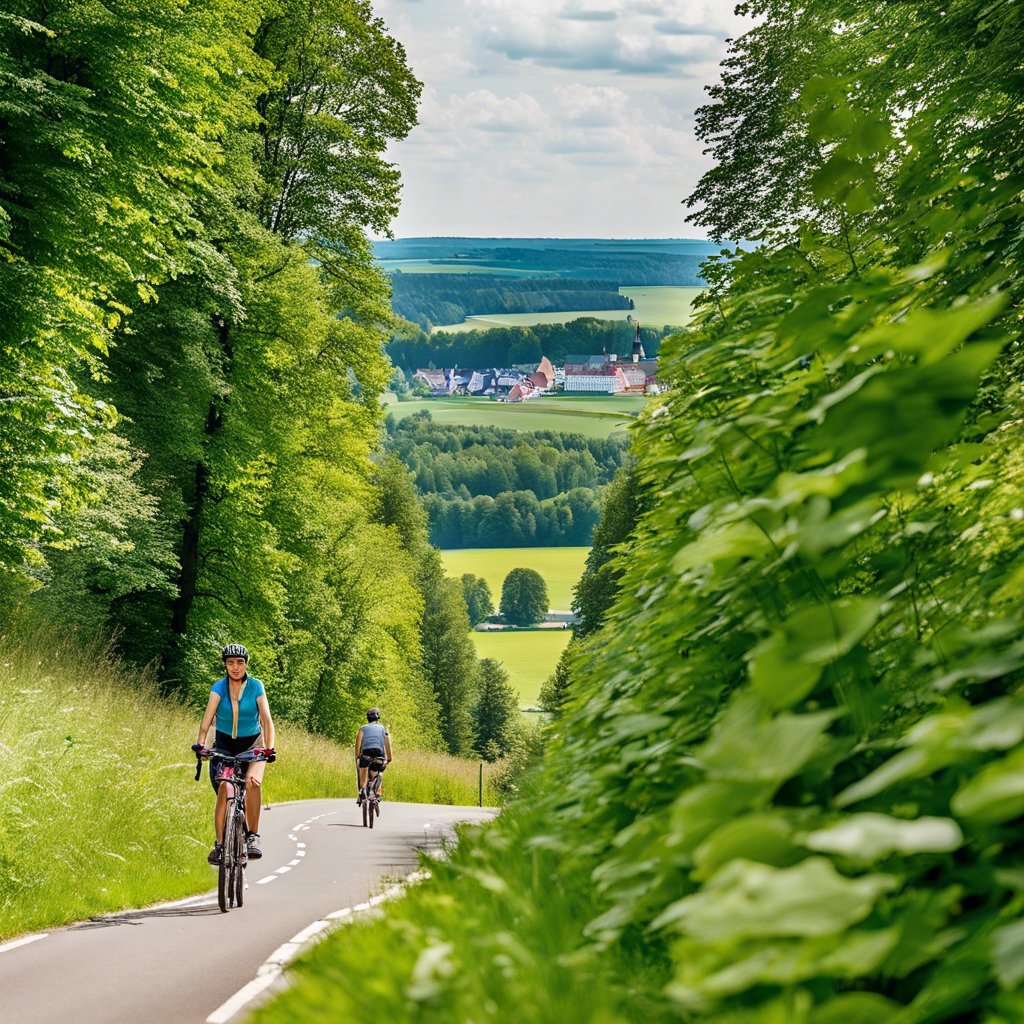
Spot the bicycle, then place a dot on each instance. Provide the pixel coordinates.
(369, 795)
(234, 851)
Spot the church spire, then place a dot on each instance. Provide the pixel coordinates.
(638, 347)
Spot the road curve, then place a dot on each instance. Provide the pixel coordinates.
(183, 962)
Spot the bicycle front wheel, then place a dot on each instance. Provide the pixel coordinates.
(239, 880)
(225, 873)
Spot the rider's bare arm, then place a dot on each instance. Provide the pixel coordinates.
(387, 747)
(208, 716)
(266, 722)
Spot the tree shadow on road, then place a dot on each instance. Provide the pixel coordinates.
(135, 917)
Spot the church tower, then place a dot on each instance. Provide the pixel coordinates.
(638, 347)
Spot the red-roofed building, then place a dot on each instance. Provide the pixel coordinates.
(606, 380)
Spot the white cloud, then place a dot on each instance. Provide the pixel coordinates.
(591, 105)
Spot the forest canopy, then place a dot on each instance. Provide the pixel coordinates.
(488, 487)
(192, 350)
(430, 299)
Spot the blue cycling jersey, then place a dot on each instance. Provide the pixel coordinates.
(243, 718)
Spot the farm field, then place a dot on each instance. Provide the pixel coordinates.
(430, 267)
(529, 658)
(560, 567)
(591, 416)
(656, 306)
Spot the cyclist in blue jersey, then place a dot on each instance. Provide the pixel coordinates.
(372, 744)
(238, 704)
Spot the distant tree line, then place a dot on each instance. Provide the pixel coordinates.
(515, 519)
(487, 487)
(510, 346)
(467, 461)
(429, 299)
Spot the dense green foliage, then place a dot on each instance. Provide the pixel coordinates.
(514, 519)
(478, 598)
(446, 459)
(496, 712)
(488, 487)
(524, 597)
(788, 783)
(624, 504)
(502, 347)
(447, 658)
(429, 299)
(595, 593)
(192, 351)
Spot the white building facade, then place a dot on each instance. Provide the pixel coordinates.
(602, 380)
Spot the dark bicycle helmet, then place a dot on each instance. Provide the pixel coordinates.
(373, 715)
(234, 651)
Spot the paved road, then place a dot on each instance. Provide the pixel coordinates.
(183, 962)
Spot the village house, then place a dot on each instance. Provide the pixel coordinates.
(439, 381)
(607, 379)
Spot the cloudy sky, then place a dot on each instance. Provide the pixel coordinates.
(565, 118)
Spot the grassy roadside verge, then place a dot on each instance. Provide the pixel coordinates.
(98, 810)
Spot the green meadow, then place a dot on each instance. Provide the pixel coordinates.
(529, 657)
(560, 567)
(655, 306)
(591, 416)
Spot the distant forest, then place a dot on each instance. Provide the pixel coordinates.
(663, 261)
(487, 487)
(511, 346)
(429, 299)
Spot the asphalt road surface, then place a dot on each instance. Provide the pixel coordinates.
(188, 963)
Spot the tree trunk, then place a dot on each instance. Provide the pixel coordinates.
(188, 578)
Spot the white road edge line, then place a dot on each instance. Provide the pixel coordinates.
(273, 967)
(269, 878)
(7, 946)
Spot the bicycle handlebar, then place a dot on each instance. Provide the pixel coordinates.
(268, 754)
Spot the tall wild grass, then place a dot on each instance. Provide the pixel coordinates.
(98, 808)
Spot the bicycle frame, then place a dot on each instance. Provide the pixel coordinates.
(230, 772)
(369, 795)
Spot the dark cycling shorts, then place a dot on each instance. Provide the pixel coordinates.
(372, 758)
(226, 745)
